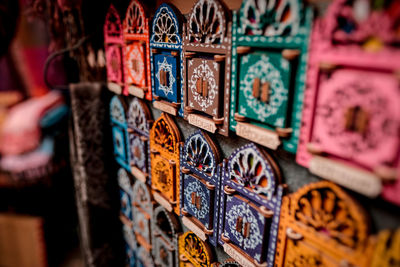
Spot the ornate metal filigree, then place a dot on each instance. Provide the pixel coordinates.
(163, 136)
(207, 22)
(269, 18)
(165, 27)
(252, 171)
(198, 154)
(330, 215)
(135, 19)
(194, 249)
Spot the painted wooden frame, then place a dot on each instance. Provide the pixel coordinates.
(119, 128)
(166, 230)
(251, 195)
(126, 195)
(139, 124)
(165, 144)
(137, 51)
(321, 225)
(269, 58)
(200, 182)
(166, 60)
(114, 49)
(142, 203)
(351, 136)
(130, 246)
(207, 66)
(193, 252)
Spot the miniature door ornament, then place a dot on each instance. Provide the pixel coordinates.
(193, 252)
(200, 183)
(207, 66)
(114, 47)
(126, 194)
(321, 225)
(166, 229)
(166, 60)
(137, 47)
(350, 127)
(142, 202)
(139, 124)
(251, 196)
(269, 57)
(120, 131)
(130, 246)
(165, 141)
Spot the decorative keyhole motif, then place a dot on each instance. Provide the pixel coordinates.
(202, 87)
(242, 227)
(163, 78)
(196, 200)
(137, 152)
(135, 65)
(261, 91)
(356, 120)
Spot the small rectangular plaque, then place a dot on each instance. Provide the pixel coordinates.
(351, 177)
(163, 106)
(237, 256)
(194, 228)
(113, 87)
(202, 122)
(162, 201)
(258, 135)
(138, 174)
(136, 91)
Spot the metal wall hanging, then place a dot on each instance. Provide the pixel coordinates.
(114, 47)
(120, 131)
(166, 60)
(137, 51)
(139, 123)
(165, 141)
(251, 195)
(350, 130)
(207, 66)
(321, 225)
(166, 229)
(269, 56)
(126, 193)
(193, 252)
(200, 182)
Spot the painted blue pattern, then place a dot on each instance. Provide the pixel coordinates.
(167, 63)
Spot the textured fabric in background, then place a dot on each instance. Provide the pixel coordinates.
(92, 164)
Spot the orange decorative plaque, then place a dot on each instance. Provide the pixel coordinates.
(165, 141)
(321, 225)
(193, 251)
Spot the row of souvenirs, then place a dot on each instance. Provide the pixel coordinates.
(326, 89)
(240, 204)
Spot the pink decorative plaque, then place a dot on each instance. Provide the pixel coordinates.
(351, 116)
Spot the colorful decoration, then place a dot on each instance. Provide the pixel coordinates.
(251, 196)
(126, 194)
(114, 47)
(200, 183)
(269, 57)
(166, 60)
(321, 225)
(165, 141)
(139, 124)
(120, 131)
(350, 133)
(386, 252)
(130, 245)
(207, 66)
(143, 210)
(193, 252)
(137, 45)
(166, 229)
